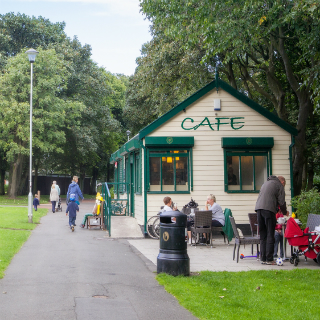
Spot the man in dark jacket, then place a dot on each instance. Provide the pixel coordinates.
(271, 196)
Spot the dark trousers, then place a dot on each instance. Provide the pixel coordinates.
(267, 223)
(53, 206)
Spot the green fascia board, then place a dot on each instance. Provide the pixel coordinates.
(169, 141)
(123, 150)
(118, 155)
(218, 83)
(132, 145)
(112, 158)
(247, 142)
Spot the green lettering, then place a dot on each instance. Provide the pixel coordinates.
(233, 122)
(182, 123)
(218, 123)
(202, 123)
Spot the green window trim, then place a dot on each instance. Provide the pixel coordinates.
(166, 153)
(249, 152)
(137, 173)
(169, 142)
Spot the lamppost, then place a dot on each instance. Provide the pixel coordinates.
(32, 57)
(128, 134)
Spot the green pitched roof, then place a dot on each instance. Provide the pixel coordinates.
(218, 83)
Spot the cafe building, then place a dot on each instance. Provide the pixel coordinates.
(217, 141)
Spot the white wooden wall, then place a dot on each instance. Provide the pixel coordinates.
(208, 158)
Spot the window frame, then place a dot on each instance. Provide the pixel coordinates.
(137, 173)
(166, 153)
(246, 152)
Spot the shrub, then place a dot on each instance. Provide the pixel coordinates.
(307, 202)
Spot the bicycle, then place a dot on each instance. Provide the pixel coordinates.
(153, 227)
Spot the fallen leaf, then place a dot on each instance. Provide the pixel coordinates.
(258, 288)
(221, 297)
(224, 289)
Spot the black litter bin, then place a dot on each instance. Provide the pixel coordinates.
(173, 257)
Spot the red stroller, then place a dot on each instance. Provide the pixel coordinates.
(308, 243)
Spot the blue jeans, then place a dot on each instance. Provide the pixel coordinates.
(53, 206)
(72, 221)
(278, 239)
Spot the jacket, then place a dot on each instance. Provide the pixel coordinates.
(74, 189)
(227, 228)
(54, 195)
(72, 208)
(271, 196)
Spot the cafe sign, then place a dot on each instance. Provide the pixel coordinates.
(235, 123)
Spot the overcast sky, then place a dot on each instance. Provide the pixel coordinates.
(115, 29)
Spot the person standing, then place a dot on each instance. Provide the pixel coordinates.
(271, 196)
(54, 197)
(74, 189)
(36, 202)
(57, 187)
(72, 208)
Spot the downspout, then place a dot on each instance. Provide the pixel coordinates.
(291, 168)
(145, 188)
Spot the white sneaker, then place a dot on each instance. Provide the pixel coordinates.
(189, 241)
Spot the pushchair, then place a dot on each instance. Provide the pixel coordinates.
(307, 243)
(59, 207)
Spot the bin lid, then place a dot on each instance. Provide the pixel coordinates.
(180, 218)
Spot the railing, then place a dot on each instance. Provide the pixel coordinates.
(105, 193)
(112, 207)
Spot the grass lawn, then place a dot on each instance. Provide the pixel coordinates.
(23, 200)
(14, 231)
(248, 295)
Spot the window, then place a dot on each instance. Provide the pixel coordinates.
(247, 163)
(169, 170)
(246, 171)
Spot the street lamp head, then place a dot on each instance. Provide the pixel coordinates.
(32, 55)
(128, 133)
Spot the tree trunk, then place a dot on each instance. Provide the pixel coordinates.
(2, 177)
(95, 172)
(310, 174)
(15, 175)
(35, 181)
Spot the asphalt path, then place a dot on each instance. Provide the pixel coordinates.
(59, 274)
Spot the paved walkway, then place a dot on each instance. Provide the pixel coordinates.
(59, 274)
(83, 275)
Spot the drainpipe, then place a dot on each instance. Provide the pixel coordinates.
(291, 168)
(145, 189)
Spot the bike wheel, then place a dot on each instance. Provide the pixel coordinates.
(150, 227)
(156, 227)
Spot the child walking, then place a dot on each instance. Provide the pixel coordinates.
(36, 202)
(72, 208)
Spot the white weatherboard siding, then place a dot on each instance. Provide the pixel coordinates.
(208, 157)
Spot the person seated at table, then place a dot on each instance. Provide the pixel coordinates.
(168, 205)
(278, 235)
(217, 212)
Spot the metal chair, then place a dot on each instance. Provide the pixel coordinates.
(202, 224)
(241, 241)
(253, 221)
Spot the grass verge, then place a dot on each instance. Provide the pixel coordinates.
(14, 231)
(259, 294)
(23, 200)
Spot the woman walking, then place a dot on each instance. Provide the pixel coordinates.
(74, 189)
(54, 197)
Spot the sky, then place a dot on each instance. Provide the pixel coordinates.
(115, 29)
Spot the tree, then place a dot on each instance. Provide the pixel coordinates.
(49, 110)
(271, 47)
(167, 73)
